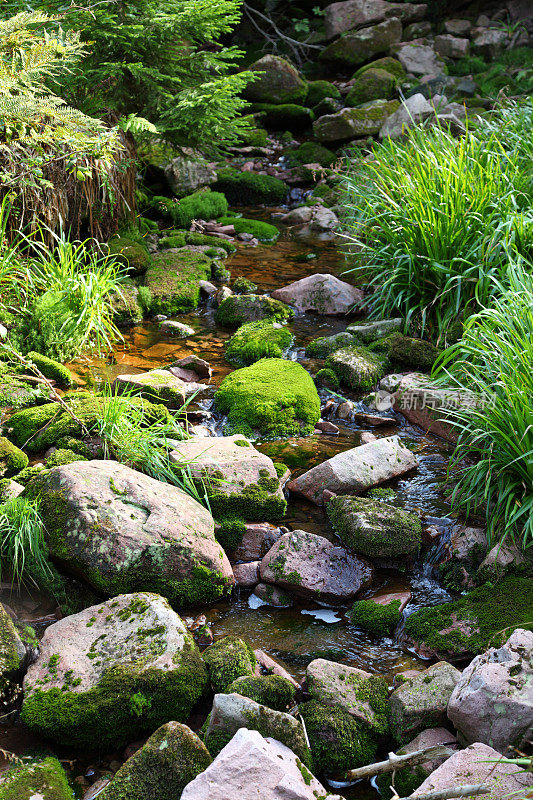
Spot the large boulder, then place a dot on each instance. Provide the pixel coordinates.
(171, 758)
(312, 566)
(375, 529)
(250, 767)
(186, 175)
(355, 470)
(158, 386)
(356, 47)
(323, 294)
(354, 123)
(465, 551)
(357, 367)
(123, 531)
(414, 109)
(239, 480)
(420, 59)
(452, 46)
(230, 712)
(277, 81)
(493, 700)
(112, 672)
(361, 694)
(421, 702)
(478, 764)
(348, 14)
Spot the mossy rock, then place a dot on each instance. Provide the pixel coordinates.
(276, 81)
(228, 659)
(41, 780)
(286, 117)
(375, 617)
(255, 340)
(12, 460)
(273, 691)
(173, 281)
(338, 741)
(173, 240)
(171, 758)
(325, 345)
(277, 398)
(249, 188)
(28, 474)
(196, 238)
(358, 367)
(242, 308)
(203, 204)
(388, 64)
(14, 393)
(244, 286)
(52, 369)
(63, 456)
(483, 618)
(319, 90)
(127, 305)
(130, 252)
(254, 137)
(313, 153)
(263, 231)
(405, 351)
(373, 84)
(374, 529)
(354, 123)
(326, 378)
(12, 648)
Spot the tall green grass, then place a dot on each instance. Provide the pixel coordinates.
(494, 359)
(434, 216)
(23, 552)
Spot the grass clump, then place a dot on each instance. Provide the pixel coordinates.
(249, 188)
(255, 340)
(23, 551)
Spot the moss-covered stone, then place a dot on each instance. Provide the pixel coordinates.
(373, 84)
(173, 280)
(41, 780)
(375, 529)
(171, 758)
(203, 204)
(388, 63)
(14, 393)
(482, 618)
(319, 90)
(338, 741)
(12, 460)
(249, 188)
(405, 351)
(255, 340)
(358, 367)
(228, 659)
(263, 231)
(52, 369)
(242, 285)
(287, 116)
(12, 649)
(326, 378)
(276, 81)
(132, 253)
(127, 305)
(239, 309)
(275, 397)
(375, 617)
(354, 123)
(273, 691)
(62, 456)
(325, 345)
(313, 153)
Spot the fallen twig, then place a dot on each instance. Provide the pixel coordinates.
(395, 762)
(449, 794)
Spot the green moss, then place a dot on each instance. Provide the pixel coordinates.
(325, 345)
(174, 240)
(406, 781)
(14, 393)
(195, 238)
(262, 231)
(28, 474)
(382, 493)
(244, 286)
(373, 84)
(338, 741)
(43, 779)
(319, 90)
(229, 534)
(281, 469)
(257, 501)
(388, 63)
(255, 137)
(249, 188)
(313, 153)
(357, 367)
(132, 253)
(406, 352)
(239, 309)
(286, 116)
(275, 397)
(173, 281)
(12, 460)
(127, 307)
(103, 716)
(52, 369)
(203, 204)
(144, 297)
(273, 691)
(61, 456)
(75, 445)
(491, 612)
(375, 617)
(228, 659)
(374, 529)
(255, 340)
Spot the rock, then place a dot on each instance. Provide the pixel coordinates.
(375, 529)
(361, 694)
(298, 216)
(272, 667)
(425, 405)
(466, 550)
(324, 219)
(158, 386)
(478, 764)
(222, 294)
(489, 42)
(357, 469)
(238, 309)
(207, 288)
(387, 63)
(322, 294)
(278, 82)
(186, 175)
(345, 410)
(194, 364)
(422, 701)
(171, 758)
(327, 427)
(493, 699)
(41, 780)
(230, 712)
(357, 367)
(239, 480)
(273, 595)
(12, 460)
(122, 530)
(451, 46)
(370, 331)
(356, 47)
(372, 84)
(257, 539)
(228, 659)
(420, 59)
(9, 490)
(412, 110)
(504, 558)
(174, 280)
(381, 613)
(354, 123)
(417, 30)
(338, 740)
(247, 574)
(111, 672)
(343, 16)
(250, 767)
(275, 691)
(13, 653)
(312, 566)
(406, 780)
(172, 328)
(458, 27)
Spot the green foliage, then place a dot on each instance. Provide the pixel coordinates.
(229, 533)
(249, 188)
(511, 72)
(130, 252)
(255, 340)
(203, 204)
(493, 360)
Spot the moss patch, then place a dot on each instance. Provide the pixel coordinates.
(12, 460)
(52, 369)
(405, 351)
(286, 116)
(263, 231)
(357, 367)
(173, 281)
(130, 252)
(374, 529)
(255, 340)
(319, 90)
(249, 188)
(375, 617)
(372, 84)
(228, 659)
(203, 204)
(338, 741)
(43, 779)
(325, 345)
(273, 691)
(238, 309)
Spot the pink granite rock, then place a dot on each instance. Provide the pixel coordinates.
(323, 294)
(247, 575)
(258, 538)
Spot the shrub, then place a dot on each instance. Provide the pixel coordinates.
(249, 188)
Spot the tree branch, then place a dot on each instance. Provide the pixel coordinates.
(449, 794)
(395, 762)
